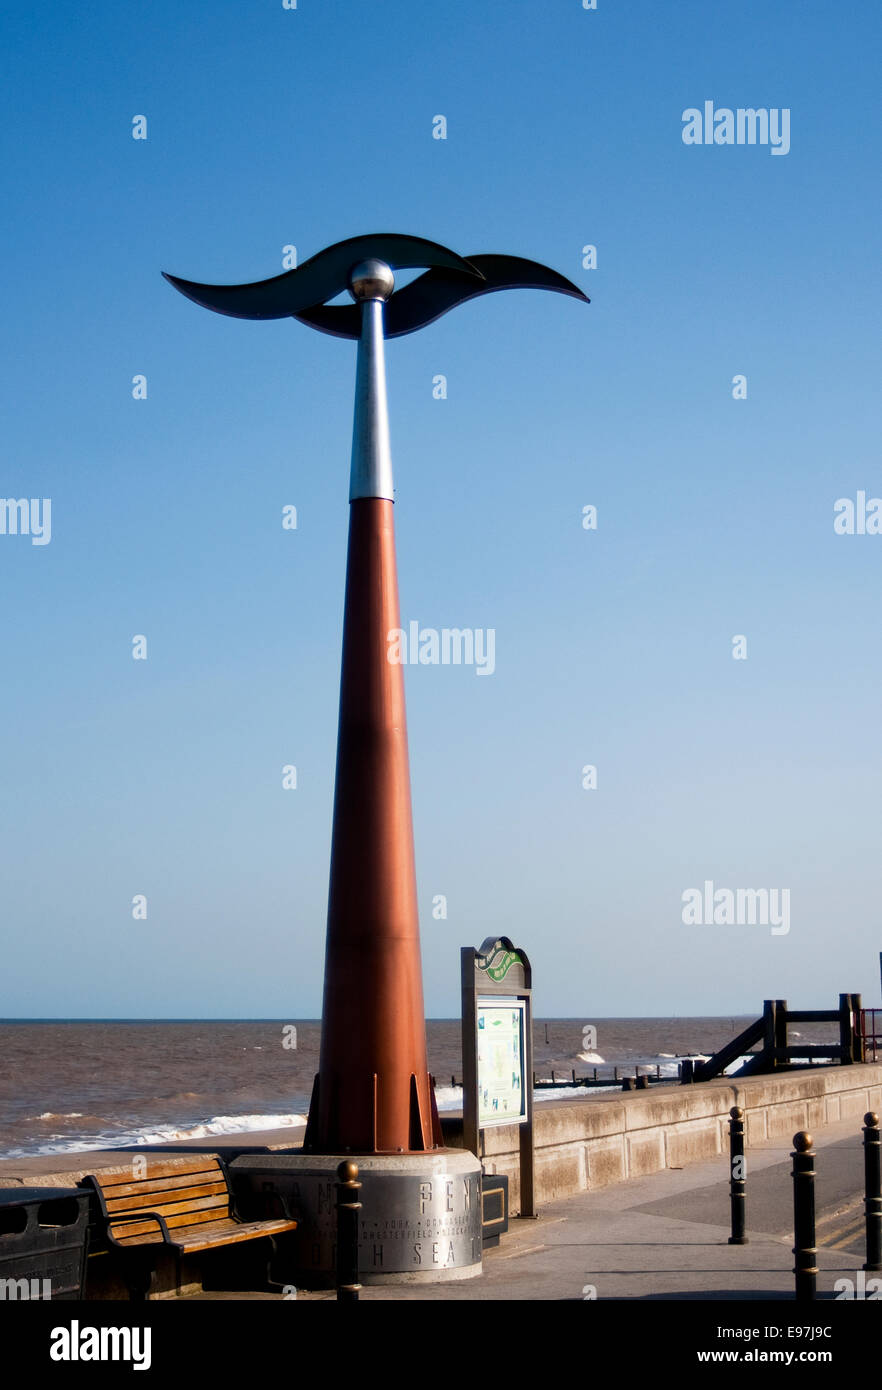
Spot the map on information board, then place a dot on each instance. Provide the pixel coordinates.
(501, 1094)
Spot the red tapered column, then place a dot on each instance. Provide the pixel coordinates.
(373, 1093)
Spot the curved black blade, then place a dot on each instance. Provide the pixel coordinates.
(437, 292)
(321, 277)
(340, 320)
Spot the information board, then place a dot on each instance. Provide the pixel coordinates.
(497, 1051)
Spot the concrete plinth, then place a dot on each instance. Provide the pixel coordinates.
(420, 1220)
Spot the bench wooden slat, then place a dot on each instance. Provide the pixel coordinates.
(158, 1168)
(157, 1201)
(206, 1237)
(149, 1183)
(173, 1221)
(185, 1215)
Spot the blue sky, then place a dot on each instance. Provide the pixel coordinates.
(268, 127)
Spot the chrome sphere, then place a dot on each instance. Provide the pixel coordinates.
(371, 279)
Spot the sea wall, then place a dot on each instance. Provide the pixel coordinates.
(584, 1145)
(580, 1145)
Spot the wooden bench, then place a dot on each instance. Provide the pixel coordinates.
(182, 1205)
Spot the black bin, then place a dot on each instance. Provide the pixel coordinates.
(494, 1207)
(43, 1242)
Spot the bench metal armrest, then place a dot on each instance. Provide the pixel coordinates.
(137, 1216)
(283, 1203)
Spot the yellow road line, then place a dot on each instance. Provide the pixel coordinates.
(844, 1239)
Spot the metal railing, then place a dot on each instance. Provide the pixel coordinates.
(778, 1051)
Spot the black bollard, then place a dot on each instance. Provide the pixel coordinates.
(806, 1267)
(873, 1198)
(737, 1176)
(348, 1207)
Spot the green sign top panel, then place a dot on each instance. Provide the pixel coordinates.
(498, 963)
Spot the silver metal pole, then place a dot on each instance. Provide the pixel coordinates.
(371, 283)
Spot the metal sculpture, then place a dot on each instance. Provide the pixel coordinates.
(373, 1094)
(449, 280)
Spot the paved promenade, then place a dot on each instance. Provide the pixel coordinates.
(665, 1237)
(659, 1237)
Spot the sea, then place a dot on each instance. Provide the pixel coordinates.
(68, 1086)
